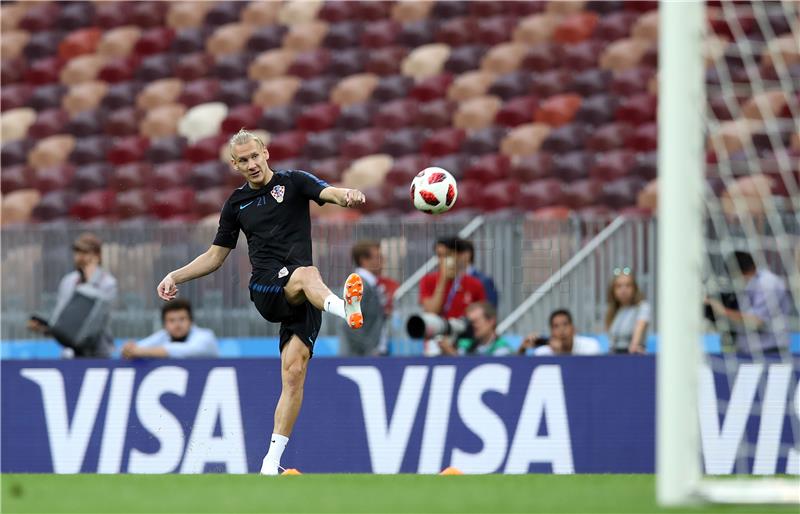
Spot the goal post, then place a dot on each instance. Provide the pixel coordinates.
(681, 104)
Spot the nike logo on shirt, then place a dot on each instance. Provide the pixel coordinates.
(245, 205)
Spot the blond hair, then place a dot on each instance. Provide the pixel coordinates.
(242, 137)
(613, 305)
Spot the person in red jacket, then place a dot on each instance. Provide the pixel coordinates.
(449, 290)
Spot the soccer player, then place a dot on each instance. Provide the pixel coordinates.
(272, 210)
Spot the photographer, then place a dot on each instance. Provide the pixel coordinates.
(88, 281)
(481, 338)
(562, 340)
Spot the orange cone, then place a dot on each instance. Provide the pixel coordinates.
(451, 471)
(291, 471)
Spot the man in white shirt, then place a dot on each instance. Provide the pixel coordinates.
(562, 340)
(179, 339)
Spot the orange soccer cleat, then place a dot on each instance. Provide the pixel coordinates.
(353, 292)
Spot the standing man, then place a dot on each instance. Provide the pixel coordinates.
(271, 208)
(371, 339)
(88, 275)
(449, 290)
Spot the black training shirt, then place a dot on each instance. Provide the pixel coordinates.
(275, 219)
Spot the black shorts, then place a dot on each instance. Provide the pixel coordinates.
(304, 320)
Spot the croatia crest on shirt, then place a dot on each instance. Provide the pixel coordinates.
(277, 193)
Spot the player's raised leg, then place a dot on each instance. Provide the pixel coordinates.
(306, 284)
(294, 363)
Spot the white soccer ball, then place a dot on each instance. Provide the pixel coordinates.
(434, 191)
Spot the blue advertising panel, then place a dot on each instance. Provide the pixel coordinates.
(393, 415)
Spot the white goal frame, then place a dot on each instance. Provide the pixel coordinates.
(681, 164)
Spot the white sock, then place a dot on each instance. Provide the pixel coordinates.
(272, 461)
(335, 306)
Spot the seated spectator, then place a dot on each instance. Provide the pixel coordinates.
(483, 339)
(627, 315)
(467, 254)
(89, 280)
(371, 339)
(761, 318)
(179, 339)
(562, 340)
(449, 290)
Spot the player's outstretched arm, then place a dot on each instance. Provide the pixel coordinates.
(342, 196)
(205, 263)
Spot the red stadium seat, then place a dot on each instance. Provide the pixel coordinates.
(133, 203)
(314, 91)
(362, 143)
(403, 141)
(570, 166)
(48, 123)
(93, 204)
(489, 168)
(14, 178)
(199, 92)
(246, 115)
(558, 110)
(614, 26)
(432, 88)
(612, 165)
(637, 109)
(380, 34)
(541, 193)
(495, 30)
(13, 71)
(206, 149)
(541, 57)
(43, 71)
(549, 83)
(337, 10)
(193, 66)
(610, 136)
(436, 114)
(128, 149)
(582, 193)
(575, 28)
(405, 168)
(385, 61)
(646, 165)
(148, 14)
(173, 202)
(517, 111)
(604, 6)
(443, 142)
(82, 41)
(397, 114)
(532, 167)
(223, 13)
(644, 138)
(591, 82)
(123, 122)
(210, 201)
(286, 145)
(316, 118)
(455, 163)
(165, 149)
(499, 195)
(309, 64)
(330, 169)
(372, 11)
(340, 35)
(632, 81)
(458, 31)
(209, 174)
(622, 192)
(90, 177)
(170, 175)
(112, 14)
(581, 56)
(53, 178)
(15, 96)
(131, 176)
(40, 16)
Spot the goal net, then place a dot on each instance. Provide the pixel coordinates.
(729, 249)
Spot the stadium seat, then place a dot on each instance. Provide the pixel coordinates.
(549, 83)
(623, 54)
(571, 165)
(15, 177)
(118, 42)
(166, 148)
(645, 138)
(637, 109)
(517, 111)
(48, 123)
(591, 82)
(646, 27)
(495, 30)
(279, 119)
(469, 85)
(81, 69)
(127, 149)
(208, 174)
(12, 14)
(356, 116)
(484, 140)
(612, 165)
(575, 28)
(609, 136)
(91, 176)
(12, 71)
(354, 89)
(189, 40)
(245, 115)
(197, 92)
(112, 14)
(202, 121)
(525, 139)
(385, 61)
(348, 62)
(403, 141)
(265, 37)
(53, 205)
(317, 117)
(51, 151)
(270, 64)
(488, 168)
(432, 88)
(391, 88)
(183, 15)
(162, 121)
(510, 85)
(645, 165)
(90, 149)
(79, 42)
(541, 57)
(43, 71)
(455, 163)
(122, 122)
(173, 202)
(622, 192)
(155, 67)
(417, 33)
(362, 143)
(503, 58)
(465, 58)
(558, 110)
(582, 193)
(541, 193)
(314, 90)
(15, 153)
(209, 201)
(276, 92)
(53, 178)
(41, 98)
(405, 168)
(170, 175)
(193, 66)
(342, 35)
(236, 92)
(535, 29)
(132, 203)
(443, 142)
(229, 39)
(18, 206)
(130, 176)
(15, 96)
(425, 61)
(379, 34)
(632, 81)
(457, 31)
(330, 170)
(119, 69)
(223, 13)
(597, 109)
(397, 114)
(476, 113)
(305, 36)
(42, 45)
(499, 195)
(286, 145)
(309, 64)
(93, 204)
(367, 172)
(159, 92)
(581, 56)
(566, 138)
(532, 167)
(614, 26)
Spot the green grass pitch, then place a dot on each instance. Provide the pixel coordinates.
(339, 493)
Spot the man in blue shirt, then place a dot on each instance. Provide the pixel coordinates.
(466, 253)
(179, 339)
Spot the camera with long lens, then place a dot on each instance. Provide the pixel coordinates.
(426, 325)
